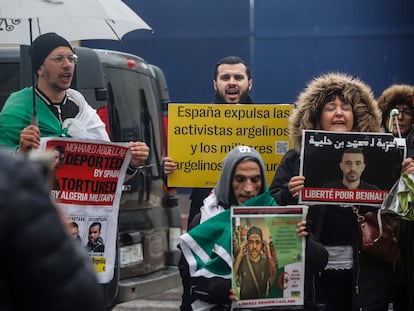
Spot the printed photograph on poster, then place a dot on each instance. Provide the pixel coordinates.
(58, 158)
(268, 256)
(77, 227)
(349, 167)
(96, 234)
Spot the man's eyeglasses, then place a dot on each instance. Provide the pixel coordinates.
(73, 59)
(406, 112)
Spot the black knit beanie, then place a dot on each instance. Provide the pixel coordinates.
(43, 45)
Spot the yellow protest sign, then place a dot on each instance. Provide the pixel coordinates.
(200, 135)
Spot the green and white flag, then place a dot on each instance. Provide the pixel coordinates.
(207, 247)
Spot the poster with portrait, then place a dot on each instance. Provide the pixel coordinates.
(268, 256)
(349, 167)
(86, 183)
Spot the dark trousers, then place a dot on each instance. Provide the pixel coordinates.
(334, 289)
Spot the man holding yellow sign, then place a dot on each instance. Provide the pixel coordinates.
(232, 83)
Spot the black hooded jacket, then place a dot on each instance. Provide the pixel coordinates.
(42, 267)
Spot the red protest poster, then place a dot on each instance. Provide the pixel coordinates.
(87, 172)
(349, 167)
(86, 183)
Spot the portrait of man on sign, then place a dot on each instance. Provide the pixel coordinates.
(349, 167)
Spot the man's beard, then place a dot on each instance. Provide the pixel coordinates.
(244, 98)
(254, 256)
(351, 177)
(54, 85)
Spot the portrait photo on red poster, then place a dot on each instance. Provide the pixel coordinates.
(349, 167)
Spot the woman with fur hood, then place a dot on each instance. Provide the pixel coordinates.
(351, 280)
(401, 97)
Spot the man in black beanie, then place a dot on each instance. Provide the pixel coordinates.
(43, 45)
(61, 111)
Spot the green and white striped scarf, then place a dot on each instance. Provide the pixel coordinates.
(207, 247)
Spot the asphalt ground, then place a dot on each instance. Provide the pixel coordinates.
(171, 299)
(168, 300)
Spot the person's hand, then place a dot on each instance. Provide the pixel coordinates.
(232, 296)
(29, 139)
(169, 166)
(301, 228)
(266, 249)
(242, 250)
(139, 151)
(408, 166)
(296, 184)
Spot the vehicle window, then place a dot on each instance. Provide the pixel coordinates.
(135, 113)
(151, 121)
(124, 96)
(9, 80)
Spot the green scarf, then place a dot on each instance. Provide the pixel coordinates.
(207, 247)
(17, 114)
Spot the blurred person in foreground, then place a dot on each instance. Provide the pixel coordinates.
(401, 97)
(43, 267)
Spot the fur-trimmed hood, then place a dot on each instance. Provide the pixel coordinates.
(306, 116)
(397, 94)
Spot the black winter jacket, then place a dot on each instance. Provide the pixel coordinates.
(42, 267)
